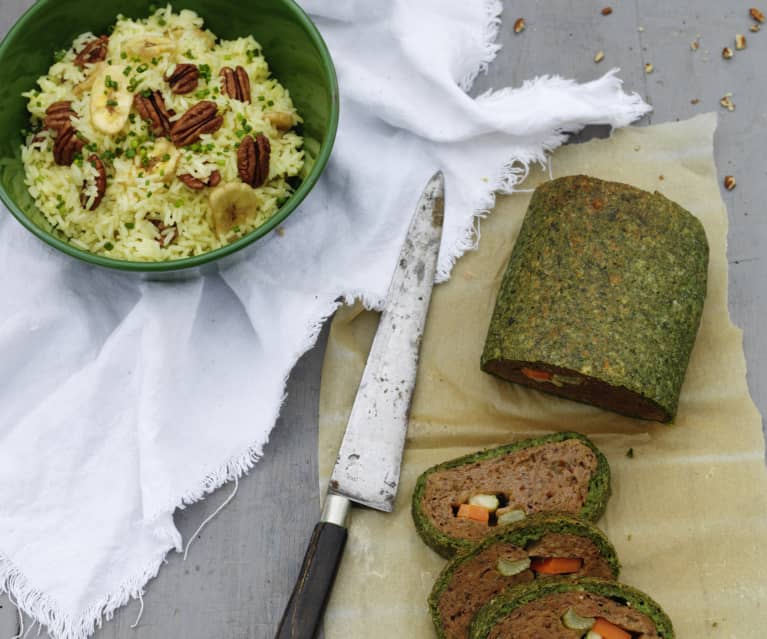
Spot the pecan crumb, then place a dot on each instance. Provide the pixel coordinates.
(694, 101)
(729, 182)
(754, 28)
(695, 45)
(648, 67)
(740, 41)
(756, 14)
(727, 102)
(519, 25)
(607, 11)
(600, 55)
(727, 53)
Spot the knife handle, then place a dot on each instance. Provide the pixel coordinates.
(303, 613)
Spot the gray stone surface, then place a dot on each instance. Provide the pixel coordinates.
(241, 569)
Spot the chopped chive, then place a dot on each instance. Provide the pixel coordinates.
(129, 225)
(109, 246)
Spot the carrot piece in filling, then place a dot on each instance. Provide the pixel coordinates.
(556, 565)
(472, 511)
(538, 376)
(609, 630)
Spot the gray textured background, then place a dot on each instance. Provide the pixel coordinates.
(241, 569)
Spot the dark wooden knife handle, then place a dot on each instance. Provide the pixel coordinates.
(303, 614)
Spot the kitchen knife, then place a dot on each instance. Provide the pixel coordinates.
(368, 465)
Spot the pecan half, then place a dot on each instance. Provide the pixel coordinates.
(196, 184)
(184, 78)
(101, 184)
(94, 51)
(151, 108)
(67, 145)
(236, 83)
(253, 160)
(201, 118)
(167, 234)
(58, 116)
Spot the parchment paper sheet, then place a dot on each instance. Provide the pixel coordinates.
(688, 514)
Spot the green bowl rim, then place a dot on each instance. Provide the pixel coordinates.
(197, 260)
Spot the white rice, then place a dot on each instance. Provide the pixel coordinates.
(120, 227)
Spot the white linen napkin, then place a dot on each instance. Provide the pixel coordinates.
(122, 400)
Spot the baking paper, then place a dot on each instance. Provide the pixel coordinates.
(688, 513)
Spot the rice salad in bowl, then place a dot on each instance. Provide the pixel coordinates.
(158, 141)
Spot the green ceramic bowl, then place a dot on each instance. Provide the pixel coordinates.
(292, 46)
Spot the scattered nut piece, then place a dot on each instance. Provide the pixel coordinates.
(754, 28)
(648, 67)
(694, 101)
(607, 11)
(661, 177)
(695, 45)
(740, 41)
(727, 53)
(519, 25)
(729, 182)
(727, 102)
(599, 57)
(756, 14)
(280, 231)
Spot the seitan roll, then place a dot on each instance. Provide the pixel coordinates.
(537, 547)
(570, 608)
(459, 502)
(602, 297)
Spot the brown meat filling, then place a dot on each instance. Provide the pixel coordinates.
(589, 390)
(543, 617)
(476, 581)
(550, 477)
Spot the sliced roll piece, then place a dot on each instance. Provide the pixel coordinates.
(519, 553)
(459, 502)
(569, 609)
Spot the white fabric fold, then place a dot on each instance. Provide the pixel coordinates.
(122, 400)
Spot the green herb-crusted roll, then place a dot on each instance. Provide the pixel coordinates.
(602, 297)
(515, 554)
(459, 502)
(569, 609)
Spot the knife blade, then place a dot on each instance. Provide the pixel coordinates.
(367, 468)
